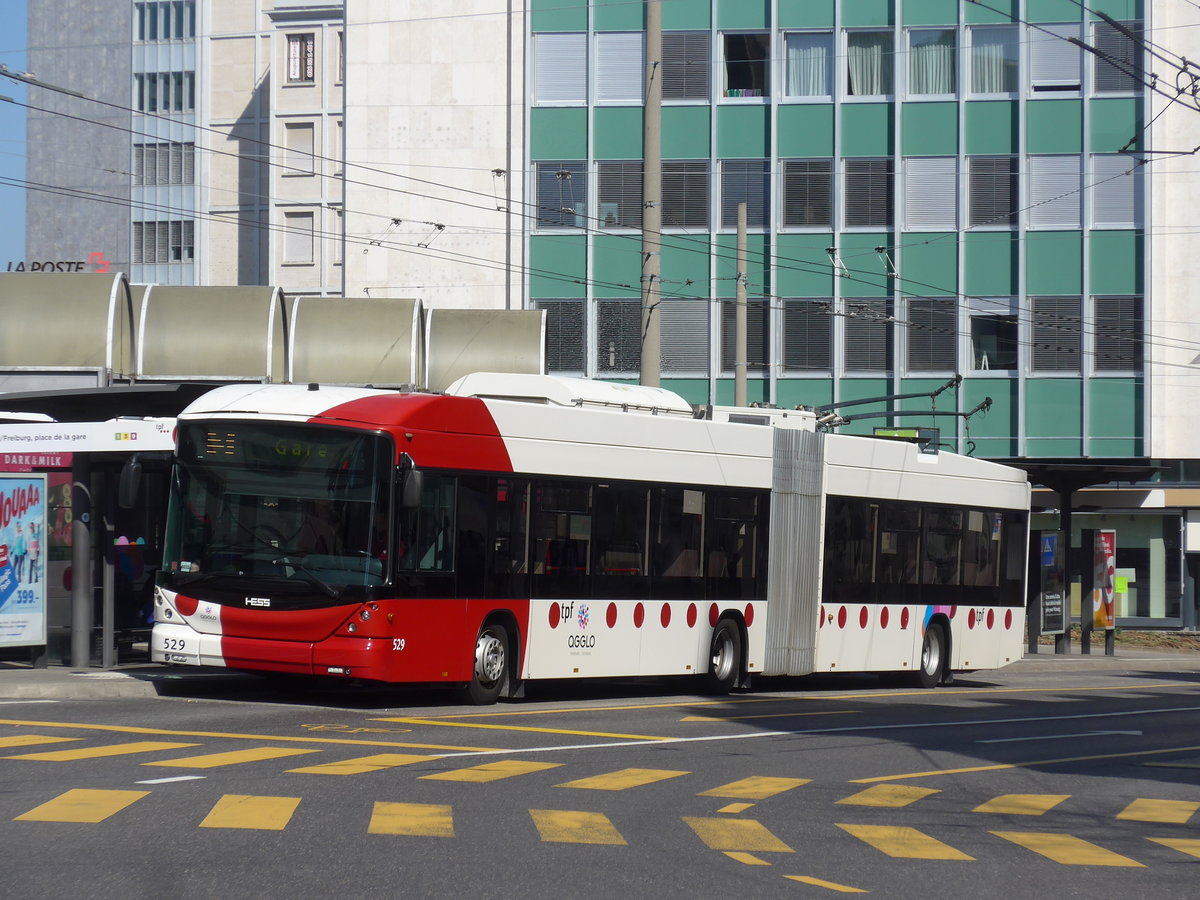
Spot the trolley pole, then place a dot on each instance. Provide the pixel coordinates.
(739, 363)
(651, 363)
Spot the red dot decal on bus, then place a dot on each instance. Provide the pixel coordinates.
(863, 617)
(639, 615)
(611, 616)
(1008, 620)
(904, 618)
(187, 606)
(883, 617)
(749, 614)
(821, 617)
(842, 617)
(713, 615)
(691, 615)
(971, 619)
(665, 615)
(555, 612)
(953, 611)
(991, 619)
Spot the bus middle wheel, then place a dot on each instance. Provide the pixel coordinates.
(725, 657)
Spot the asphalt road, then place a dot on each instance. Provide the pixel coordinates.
(1062, 776)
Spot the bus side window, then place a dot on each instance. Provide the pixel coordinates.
(429, 530)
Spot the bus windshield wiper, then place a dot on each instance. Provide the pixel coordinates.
(329, 590)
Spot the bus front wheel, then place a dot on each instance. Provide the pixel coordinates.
(490, 670)
(933, 656)
(725, 657)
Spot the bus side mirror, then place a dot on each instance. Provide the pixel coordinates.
(411, 482)
(131, 481)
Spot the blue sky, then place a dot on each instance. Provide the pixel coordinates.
(12, 134)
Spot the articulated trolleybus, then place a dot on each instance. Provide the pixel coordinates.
(529, 526)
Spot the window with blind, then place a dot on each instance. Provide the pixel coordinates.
(684, 332)
(931, 193)
(1117, 66)
(301, 58)
(1118, 334)
(298, 238)
(808, 193)
(932, 334)
(808, 64)
(993, 190)
(619, 66)
(686, 65)
(744, 65)
(808, 335)
(165, 92)
(867, 335)
(164, 20)
(561, 194)
(870, 62)
(163, 242)
(560, 68)
(619, 186)
(1055, 64)
(1116, 187)
(1054, 191)
(932, 61)
(165, 163)
(1055, 334)
(745, 181)
(994, 59)
(564, 335)
(685, 193)
(618, 336)
(298, 148)
(869, 194)
(758, 335)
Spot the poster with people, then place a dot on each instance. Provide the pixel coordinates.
(22, 560)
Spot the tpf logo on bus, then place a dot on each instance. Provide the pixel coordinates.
(582, 615)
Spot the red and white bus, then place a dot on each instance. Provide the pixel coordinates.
(521, 527)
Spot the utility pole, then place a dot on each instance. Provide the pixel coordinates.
(739, 333)
(651, 363)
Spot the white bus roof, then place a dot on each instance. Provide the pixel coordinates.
(557, 390)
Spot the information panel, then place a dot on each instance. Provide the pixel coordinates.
(1052, 588)
(22, 560)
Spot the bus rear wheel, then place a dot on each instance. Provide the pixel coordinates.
(933, 656)
(724, 657)
(490, 670)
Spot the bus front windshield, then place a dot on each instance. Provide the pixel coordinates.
(302, 507)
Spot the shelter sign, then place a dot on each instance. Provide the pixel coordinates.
(1104, 578)
(22, 560)
(1053, 583)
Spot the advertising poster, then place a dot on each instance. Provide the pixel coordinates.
(23, 547)
(1104, 580)
(1054, 619)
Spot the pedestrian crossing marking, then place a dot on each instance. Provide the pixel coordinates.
(82, 805)
(363, 764)
(735, 808)
(493, 771)
(1022, 804)
(747, 858)
(412, 819)
(758, 787)
(229, 758)
(828, 885)
(888, 796)
(562, 826)
(1167, 812)
(246, 811)
(904, 843)
(1067, 849)
(100, 752)
(736, 834)
(29, 740)
(623, 779)
(1190, 846)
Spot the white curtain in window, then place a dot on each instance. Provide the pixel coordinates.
(869, 61)
(993, 61)
(808, 64)
(931, 62)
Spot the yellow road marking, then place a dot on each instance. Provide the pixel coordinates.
(904, 843)
(734, 808)
(888, 796)
(493, 771)
(1022, 804)
(1174, 812)
(1190, 846)
(1000, 767)
(623, 779)
(736, 834)
(363, 764)
(133, 729)
(413, 819)
(229, 758)
(99, 752)
(830, 885)
(246, 811)
(1067, 849)
(82, 805)
(748, 858)
(28, 740)
(757, 787)
(781, 715)
(563, 826)
(601, 734)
